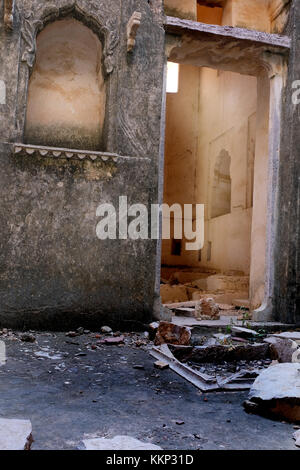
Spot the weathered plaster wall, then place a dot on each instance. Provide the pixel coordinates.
(261, 15)
(209, 15)
(54, 271)
(66, 95)
(251, 15)
(181, 8)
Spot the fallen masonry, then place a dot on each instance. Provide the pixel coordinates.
(296, 436)
(282, 349)
(219, 353)
(15, 434)
(276, 392)
(172, 334)
(91, 373)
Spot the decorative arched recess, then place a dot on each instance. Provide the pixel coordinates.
(91, 13)
(221, 189)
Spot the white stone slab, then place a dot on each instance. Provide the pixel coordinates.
(294, 335)
(2, 353)
(278, 382)
(239, 330)
(118, 443)
(14, 433)
(296, 436)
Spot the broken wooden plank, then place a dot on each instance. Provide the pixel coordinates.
(202, 381)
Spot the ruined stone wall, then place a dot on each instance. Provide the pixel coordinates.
(54, 271)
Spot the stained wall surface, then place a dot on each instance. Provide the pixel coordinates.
(54, 271)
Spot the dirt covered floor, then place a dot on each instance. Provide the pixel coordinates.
(75, 388)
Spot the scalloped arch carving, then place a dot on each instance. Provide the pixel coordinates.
(90, 13)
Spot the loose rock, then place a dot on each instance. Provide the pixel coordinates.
(113, 340)
(106, 329)
(276, 391)
(282, 349)
(172, 334)
(207, 309)
(27, 338)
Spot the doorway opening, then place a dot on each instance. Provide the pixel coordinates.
(216, 154)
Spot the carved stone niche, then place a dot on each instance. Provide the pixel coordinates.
(53, 109)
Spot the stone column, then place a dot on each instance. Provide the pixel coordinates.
(287, 239)
(277, 76)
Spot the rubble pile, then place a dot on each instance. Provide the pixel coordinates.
(186, 285)
(207, 309)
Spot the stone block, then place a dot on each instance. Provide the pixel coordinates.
(172, 334)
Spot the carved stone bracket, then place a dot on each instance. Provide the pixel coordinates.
(69, 154)
(9, 13)
(132, 29)
(107, 29)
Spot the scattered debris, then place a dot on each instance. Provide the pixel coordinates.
(118, 443)
(27, 338)
(161, 365)
(220, 353)
(172, 334)
(47, 355)
(276, 392)
(207, 309)
(240, 381)
(113, 340)
(200, 381)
